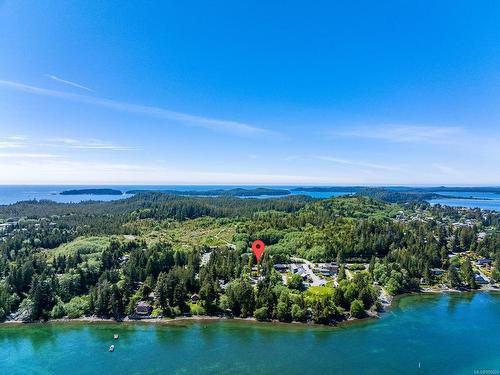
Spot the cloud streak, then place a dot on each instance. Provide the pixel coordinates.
(23, 155)
(357, 163)
(234, 127)
(12, 142)
(404, 134)
(91, 144)
(70, 83)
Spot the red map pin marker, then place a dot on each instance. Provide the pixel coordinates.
(258, 249)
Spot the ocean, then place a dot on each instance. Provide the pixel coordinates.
(10, 194)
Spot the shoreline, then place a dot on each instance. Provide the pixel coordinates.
(388, 303)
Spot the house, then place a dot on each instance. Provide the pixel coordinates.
(281, 267)
(294, 267)
(334, 268)
(327, 269)
(195, 298)
(5, 226)
(143, 308)
(484, 262)
(436, 271)
(323, 271)
(480, 279)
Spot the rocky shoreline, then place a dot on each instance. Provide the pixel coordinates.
(385, 299)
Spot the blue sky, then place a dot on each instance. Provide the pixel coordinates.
(250, 92)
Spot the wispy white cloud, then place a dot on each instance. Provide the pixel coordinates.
(90, 144)
(29, 155)
(405, 133)
(188, 119)
(70, 83)
(357, 163)
(12, 142)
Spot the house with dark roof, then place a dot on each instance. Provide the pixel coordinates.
(480, 279)
(143, 309)
(484, 262)
(281, 267)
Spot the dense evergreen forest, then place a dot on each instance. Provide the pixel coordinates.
(166, 255)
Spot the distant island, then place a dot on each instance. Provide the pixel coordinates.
(237, 192)
(406, 189)
(329, 189)
(91, 192)
(401, 194)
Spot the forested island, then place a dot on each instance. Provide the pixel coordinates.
(354, 189)
(91, 192)
(162, 256)
(398, 194)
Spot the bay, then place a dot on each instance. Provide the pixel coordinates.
(420, 334)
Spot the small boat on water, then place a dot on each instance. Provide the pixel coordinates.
(115, 336)
(112, 348)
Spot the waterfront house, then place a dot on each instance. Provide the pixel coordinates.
(436, 271)
(480, 279)
(143, 309)
(195, 298)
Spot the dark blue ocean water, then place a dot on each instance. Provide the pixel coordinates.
(14, 193)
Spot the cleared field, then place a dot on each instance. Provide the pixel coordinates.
(198, 232)
(88, 247)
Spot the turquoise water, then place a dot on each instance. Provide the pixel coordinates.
(446, 334)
